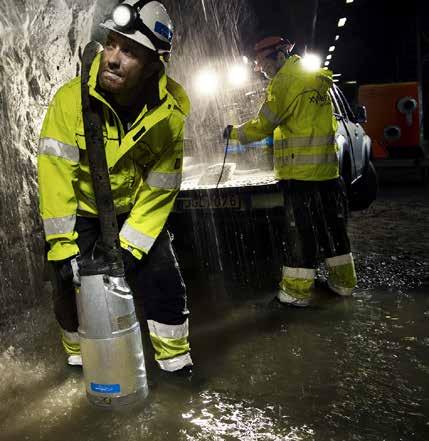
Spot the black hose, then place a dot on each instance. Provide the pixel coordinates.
(109, 248)
(224, 161)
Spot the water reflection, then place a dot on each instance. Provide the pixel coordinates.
(222, 417)
(346, 369)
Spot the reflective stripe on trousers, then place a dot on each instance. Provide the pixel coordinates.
(298, 282)
(171, 344)
(342, 273)
(70, 341)
(176, 363)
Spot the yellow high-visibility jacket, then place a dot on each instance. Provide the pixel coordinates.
(145, 166)
(298, 109)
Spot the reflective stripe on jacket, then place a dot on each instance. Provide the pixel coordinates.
(145, 166)
(298, 109)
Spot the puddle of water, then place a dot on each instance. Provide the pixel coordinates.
(346, 369)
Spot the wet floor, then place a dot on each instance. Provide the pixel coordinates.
(344, 369)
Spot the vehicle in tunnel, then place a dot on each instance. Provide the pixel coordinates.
(247, 203)
(256, 188)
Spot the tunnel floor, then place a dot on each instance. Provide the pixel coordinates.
(343, 369)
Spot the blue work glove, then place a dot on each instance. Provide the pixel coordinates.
(227, 132)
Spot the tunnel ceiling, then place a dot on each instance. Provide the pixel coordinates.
(377, 44)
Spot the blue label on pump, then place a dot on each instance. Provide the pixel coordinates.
(163, 30)
(106, 388)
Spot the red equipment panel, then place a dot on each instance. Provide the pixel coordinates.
(393, 118)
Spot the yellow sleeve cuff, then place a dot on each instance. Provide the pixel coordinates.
(138, 254)
(234, 134)
(62, 250)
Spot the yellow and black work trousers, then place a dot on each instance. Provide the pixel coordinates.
(315, 230)
(159, 296)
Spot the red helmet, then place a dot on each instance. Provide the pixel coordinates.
(270, 44)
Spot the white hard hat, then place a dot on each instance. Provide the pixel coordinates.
(146, 22)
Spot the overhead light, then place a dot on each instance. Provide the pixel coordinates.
(329, 57)
(342, 22)
(349, 1)
(331, 48)
(351, 82)
(207, 82)
(337, 37)
(336, 75)
(238, 75)
(311, 62)
(326, 63)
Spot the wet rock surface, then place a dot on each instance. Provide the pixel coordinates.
(39, 49)
(391, 239)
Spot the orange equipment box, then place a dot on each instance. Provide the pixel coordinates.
(393, 119)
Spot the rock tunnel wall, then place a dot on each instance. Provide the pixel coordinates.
(39, 46)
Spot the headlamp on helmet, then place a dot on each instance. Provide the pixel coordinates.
(145, 21)
(124, 16)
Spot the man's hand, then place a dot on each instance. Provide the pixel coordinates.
(65, 268)
(227, 132)
(130, 262)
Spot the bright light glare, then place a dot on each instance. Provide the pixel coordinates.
(331, 48)
(311, 62)
(121, 15)
(349, 1)
(245, 60)
(238, 74)
(337, 37)
(326, 63)
(342, 22)
(329, 57)
(207, 82)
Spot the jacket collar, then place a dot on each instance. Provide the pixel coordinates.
(322, 78)
(167, 88)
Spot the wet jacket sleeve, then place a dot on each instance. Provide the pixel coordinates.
(155, 199)
(272, 112)
(57, 162)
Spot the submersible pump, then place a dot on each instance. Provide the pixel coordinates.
(110, 337)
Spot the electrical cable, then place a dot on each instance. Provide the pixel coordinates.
(224, 161)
